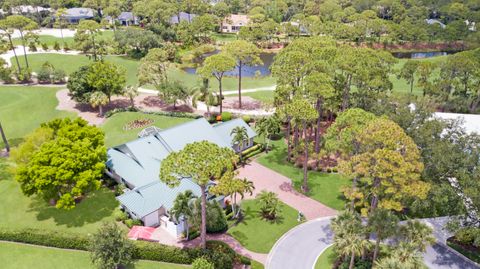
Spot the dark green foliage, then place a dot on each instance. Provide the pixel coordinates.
(58, 76)
(359, 264)
(157, 252)
(160, 113)
(56, 46)
(46, 238)
(137, 41)
(468, 236)
(78, 85)
(44, 46)
(24, 76)
(110, 247)
(216, 219)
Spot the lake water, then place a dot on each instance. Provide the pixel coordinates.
(421, 55)
(267, 58)
(248, 71)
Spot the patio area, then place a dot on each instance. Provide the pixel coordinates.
(152, 234)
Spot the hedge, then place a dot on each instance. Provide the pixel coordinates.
(46, 238)
(160, 113)
(217, 252)
(257, 149)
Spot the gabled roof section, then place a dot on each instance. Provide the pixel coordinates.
(177, 137)
(224, 129)
(79, 12)
(146, 199)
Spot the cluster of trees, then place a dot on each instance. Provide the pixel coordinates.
(61, 161)
(354, 250)
(453, 82)
(97, 83)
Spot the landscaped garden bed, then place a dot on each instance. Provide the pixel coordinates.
(138, 123)
(464, 242)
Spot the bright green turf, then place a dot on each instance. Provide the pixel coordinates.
(22, 109)
(70, 63)
(113, 127)
(324, 187)
(256, 265)
(326, 260)
(257, 234)
(265, 97)
(222, 37)
(21, 256)
(19, 211)
(50, 40)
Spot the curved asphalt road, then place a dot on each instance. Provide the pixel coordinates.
(300, 247)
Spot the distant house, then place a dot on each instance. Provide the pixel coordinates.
(137, 165)
(433, 21)
(233, 22)
(76, 14)
(182, 16)
(127, 18)
(471, 122)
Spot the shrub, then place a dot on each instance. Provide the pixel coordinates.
(157, 252)
(6, 75)
(137, 222)
(120, 215)
(160, 113)
(66, 47)
(226, 116)
(202, 263)
(44, 46)
(129, 223)
(43, 76)
(32, 47)
(118, 189)
(246, 118)
(46, 238)
(56, 46)
(58, 76)
(221, 254)
(25, 75)
(216, 219)
(468, 236)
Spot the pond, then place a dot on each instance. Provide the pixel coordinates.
(421, 54)
(248, 71)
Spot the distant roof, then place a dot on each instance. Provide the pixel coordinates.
(126, 16)
(28, 9)
(184, 16)
(79, 12)
(471, 122)
(146, 199)
(224, 129)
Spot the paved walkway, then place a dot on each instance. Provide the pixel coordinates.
(266, 179)
(302, 245)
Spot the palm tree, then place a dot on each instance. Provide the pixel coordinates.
(418, 234)
(269, 204)
(246, 186)
(408, 254)
(131, 92)
(384, 224)
(391, 262)
(203, 94)
(349, 237)
(98, 99)
(267, 127)
(351, 244)
(240, 135)
(182, 207)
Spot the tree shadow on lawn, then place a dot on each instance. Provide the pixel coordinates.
(94, 208)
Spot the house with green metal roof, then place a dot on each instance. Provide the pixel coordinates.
(136, 164)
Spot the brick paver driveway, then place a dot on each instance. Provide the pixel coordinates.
(266, 179)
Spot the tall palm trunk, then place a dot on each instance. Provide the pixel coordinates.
(203, 228)
(14, 52)
(221, 95)
(4, 138)
(24, 50)
(375, 251)
(305, 161)
(240, 84)
(352, 261)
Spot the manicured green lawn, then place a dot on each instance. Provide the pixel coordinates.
(19, 211)
(116, 135)
(265, 97)
(324, 187)
(257, 234)
(20, 256)
(22, 109)
(50, 40)
(70, 63)
(223, 37)
(326, 259)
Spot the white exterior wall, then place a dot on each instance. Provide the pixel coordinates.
(171, 227)
(151, 220)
